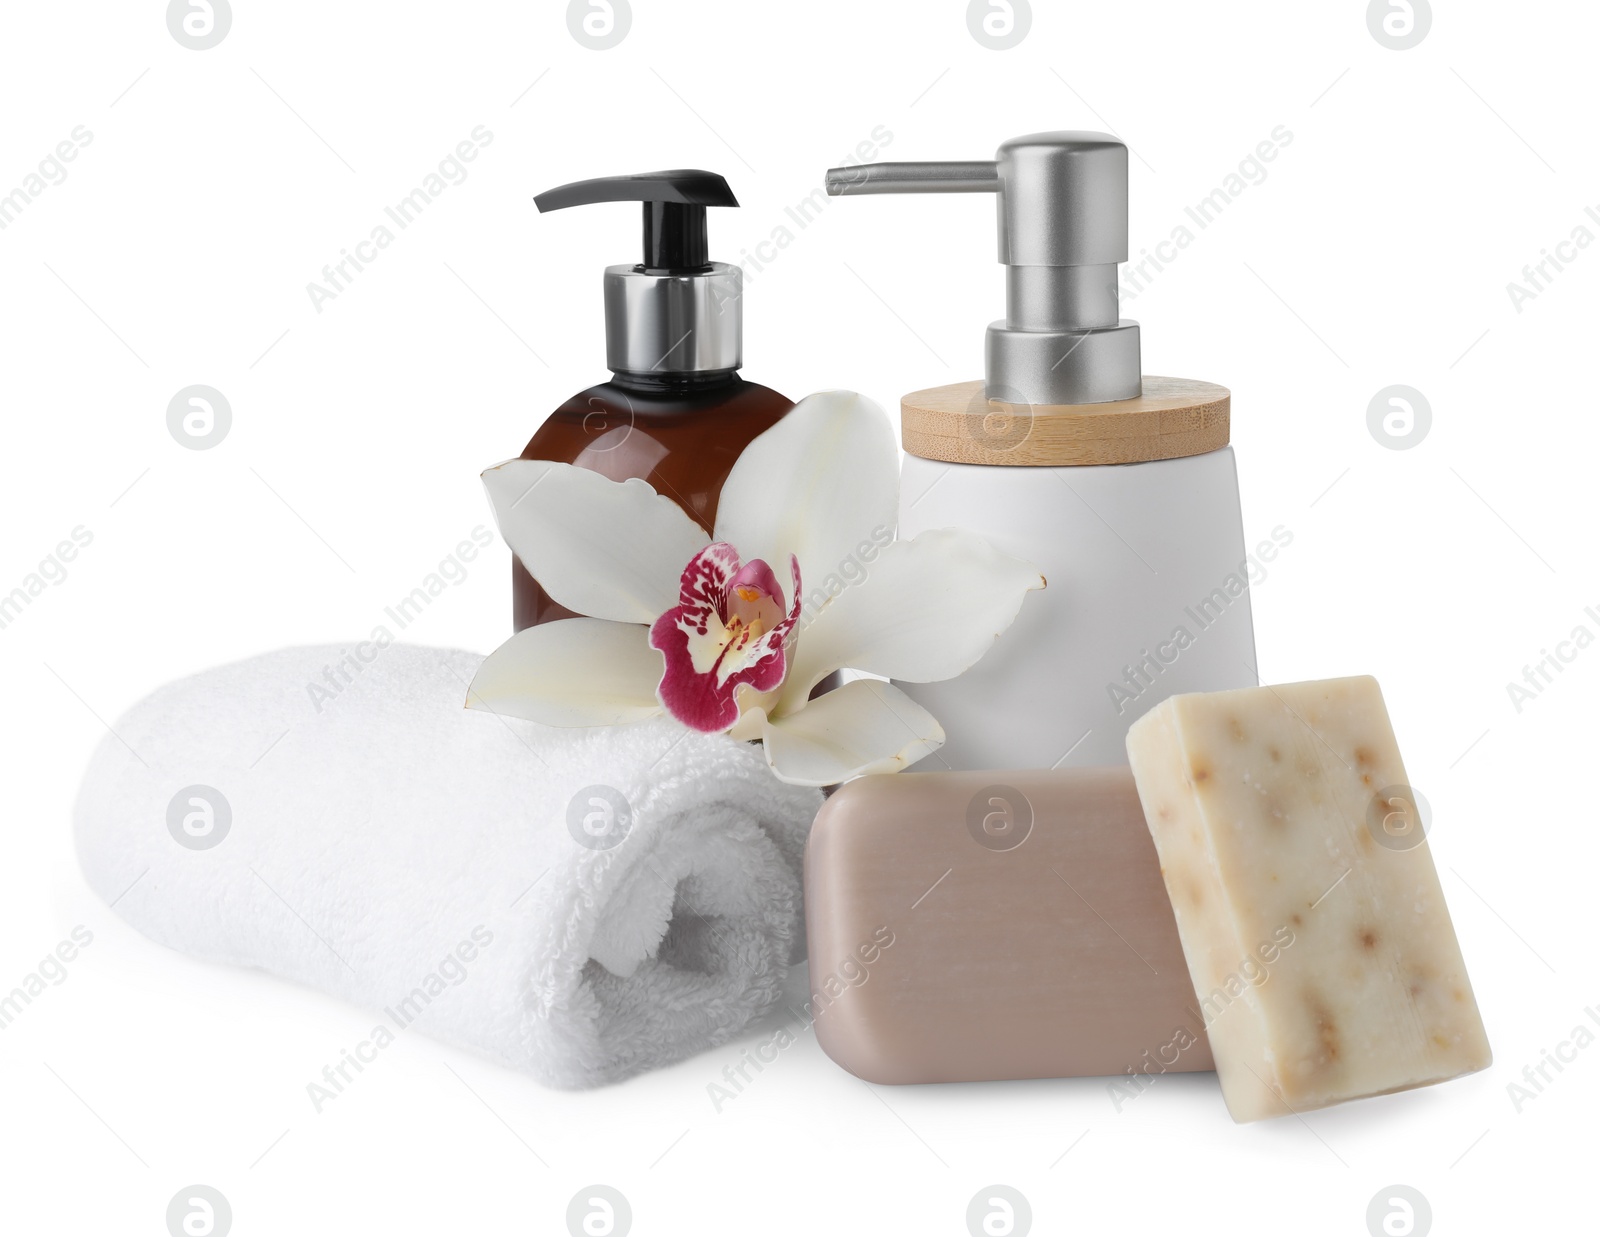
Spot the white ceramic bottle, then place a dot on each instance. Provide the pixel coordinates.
(1122, 489)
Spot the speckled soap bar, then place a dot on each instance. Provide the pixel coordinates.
(1322, 954)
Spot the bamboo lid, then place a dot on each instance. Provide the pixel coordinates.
(1172, 417)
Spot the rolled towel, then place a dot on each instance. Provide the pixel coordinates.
(583, 905)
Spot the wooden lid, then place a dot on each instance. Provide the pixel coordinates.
(1173, 417)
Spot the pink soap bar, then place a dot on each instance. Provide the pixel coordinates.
(983, 925)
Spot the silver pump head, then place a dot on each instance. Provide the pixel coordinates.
(675, 312)
(1063, 216)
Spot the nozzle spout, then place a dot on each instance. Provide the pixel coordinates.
(976, 177)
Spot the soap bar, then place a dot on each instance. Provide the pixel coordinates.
(1286, 826)
(981, 925)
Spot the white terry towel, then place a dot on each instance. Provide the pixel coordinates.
(338, 818)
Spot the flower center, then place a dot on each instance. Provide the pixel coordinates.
(729, 629)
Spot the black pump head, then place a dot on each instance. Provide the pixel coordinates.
(677, 312)
(674, 210)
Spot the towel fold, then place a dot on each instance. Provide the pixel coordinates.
(583, 905)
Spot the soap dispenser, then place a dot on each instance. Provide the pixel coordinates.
(675, 412)
(1121, 488)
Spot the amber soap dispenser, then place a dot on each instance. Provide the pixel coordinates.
(675, 413)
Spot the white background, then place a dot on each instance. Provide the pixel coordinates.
(217, 185)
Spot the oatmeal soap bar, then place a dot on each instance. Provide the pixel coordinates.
(1282, 816)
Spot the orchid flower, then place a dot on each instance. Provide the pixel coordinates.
(700, 627)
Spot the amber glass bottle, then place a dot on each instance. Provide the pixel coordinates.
(675, 413)
(681, 433)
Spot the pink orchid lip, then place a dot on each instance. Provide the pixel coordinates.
(727, 631)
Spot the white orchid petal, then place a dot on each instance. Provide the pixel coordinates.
(572, 672)
(866, 726)
(820, 484)
(926, 610)
(609, 549)
(753, 706)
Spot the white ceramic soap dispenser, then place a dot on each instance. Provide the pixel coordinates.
(1121, 489)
